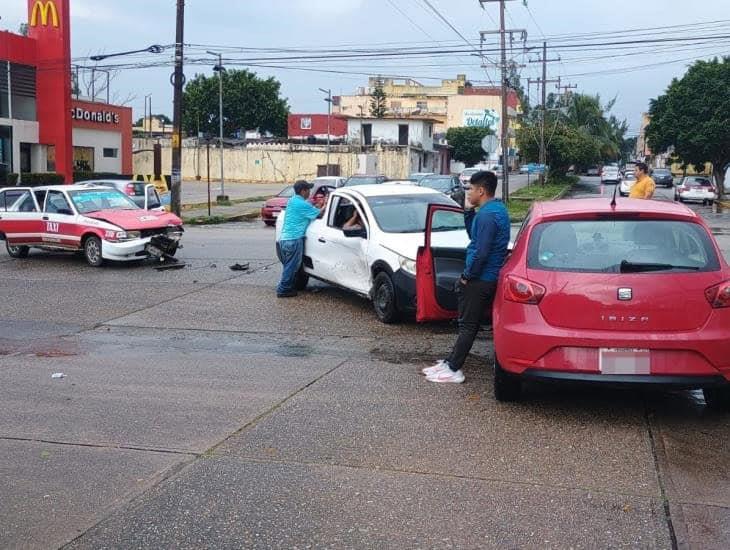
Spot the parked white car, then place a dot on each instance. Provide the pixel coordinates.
(627, 182)
(696, 189)
(412, 244)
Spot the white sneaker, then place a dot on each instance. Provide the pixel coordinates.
(440, 365)
(447, 377)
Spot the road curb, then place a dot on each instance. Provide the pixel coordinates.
(218, 220)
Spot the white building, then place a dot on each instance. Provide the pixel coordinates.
(415, 134)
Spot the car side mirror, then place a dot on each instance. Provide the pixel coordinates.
(356, 232)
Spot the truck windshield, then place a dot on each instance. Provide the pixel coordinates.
(407, 214)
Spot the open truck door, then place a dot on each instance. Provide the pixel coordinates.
(440, 263)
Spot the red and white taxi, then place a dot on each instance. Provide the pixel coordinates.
(102, 222)
(635, 292)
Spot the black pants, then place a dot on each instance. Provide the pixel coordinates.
(475, 299)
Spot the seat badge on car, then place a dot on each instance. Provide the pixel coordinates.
(625, 294)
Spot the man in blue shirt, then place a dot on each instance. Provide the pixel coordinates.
(489, 232)
(299, 214)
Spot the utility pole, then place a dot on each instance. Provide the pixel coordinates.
(178, 82)
(504, 87)
(566, 88)
(544, 81)
(329, 118)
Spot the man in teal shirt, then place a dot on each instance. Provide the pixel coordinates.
(299, 214)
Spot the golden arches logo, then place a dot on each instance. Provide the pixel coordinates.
(44, 9)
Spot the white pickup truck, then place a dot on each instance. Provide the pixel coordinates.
(406, 258)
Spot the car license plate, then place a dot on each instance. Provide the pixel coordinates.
(624, 361)
(275, 215)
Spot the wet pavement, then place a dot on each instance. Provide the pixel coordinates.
(198, 411)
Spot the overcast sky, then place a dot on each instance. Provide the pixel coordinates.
(115, 25)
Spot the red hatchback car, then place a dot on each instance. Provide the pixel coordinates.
(635, 293)
(273, 206)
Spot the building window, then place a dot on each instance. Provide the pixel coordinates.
(367, 134)
(110, 153)
(306, 123)
(422, 105)
(403, 134)
(84, 159)
(430, 130)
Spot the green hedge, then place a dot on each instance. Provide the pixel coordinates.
(36, 180)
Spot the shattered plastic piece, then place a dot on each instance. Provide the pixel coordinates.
(58, 375)
(240, 267)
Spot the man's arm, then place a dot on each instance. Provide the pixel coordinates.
(486, 229)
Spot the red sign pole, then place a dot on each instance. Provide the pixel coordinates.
(49, 23)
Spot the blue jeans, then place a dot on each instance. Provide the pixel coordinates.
(291, 256)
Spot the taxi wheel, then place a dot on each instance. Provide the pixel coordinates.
(92, 251)
(717, 398)
(384, 299)
(506, 388)
(16, 251)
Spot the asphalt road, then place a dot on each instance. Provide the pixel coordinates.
(198, 411)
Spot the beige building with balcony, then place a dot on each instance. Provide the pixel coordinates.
(454, 103)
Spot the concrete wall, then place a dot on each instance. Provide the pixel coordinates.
(271, 163)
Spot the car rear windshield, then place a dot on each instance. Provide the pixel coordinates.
(101, 199)
(621, 246)
(439, 184)
(407, 214)
(662, 173)
(698, 182)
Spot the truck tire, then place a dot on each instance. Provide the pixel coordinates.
(301, 280)
(384, 301)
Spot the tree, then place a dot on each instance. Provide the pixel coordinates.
(693, 117)
(578, 132)
(248, 102)
(467, 143)
(567, 146)
(378, 99)
(162, 118)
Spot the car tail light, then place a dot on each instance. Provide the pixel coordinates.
(719, 295)
(522, 291)
(130, 189)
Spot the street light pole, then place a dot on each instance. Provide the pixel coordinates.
(220, 69)
(329, 118)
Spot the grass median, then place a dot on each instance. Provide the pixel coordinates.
(522, 199)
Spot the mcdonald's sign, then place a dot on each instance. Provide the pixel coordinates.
(44, 9)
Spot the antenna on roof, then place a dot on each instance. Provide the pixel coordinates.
(613, 199)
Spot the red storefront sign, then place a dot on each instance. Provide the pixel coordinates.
(49, 25)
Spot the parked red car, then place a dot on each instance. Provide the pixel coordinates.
(636, 293)
(272, 207)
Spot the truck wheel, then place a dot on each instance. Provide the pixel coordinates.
(507, 389)
(717, 398)
(384, 299)
(17, 251)
(92, 251)
(301, 280)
